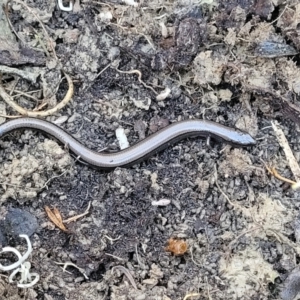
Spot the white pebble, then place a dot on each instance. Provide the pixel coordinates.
(164, 29)
(131, 2)
(106, 16)
(163, 95)
(122, 138)
(60, 120)
(161, 202)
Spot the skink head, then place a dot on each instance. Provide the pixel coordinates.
(244, 138)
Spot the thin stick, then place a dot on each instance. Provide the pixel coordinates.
(139, 73)
(24, 112)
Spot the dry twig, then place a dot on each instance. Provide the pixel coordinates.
(139, 73)
(294, 166)
(24, 112)
(278, 176)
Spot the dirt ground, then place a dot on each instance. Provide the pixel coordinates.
(140, 66)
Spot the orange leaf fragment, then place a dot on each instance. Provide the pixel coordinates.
(177, 246)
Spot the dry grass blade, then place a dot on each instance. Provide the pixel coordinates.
(74, 218)
(274, 172)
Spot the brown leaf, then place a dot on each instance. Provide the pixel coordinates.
(55, 216)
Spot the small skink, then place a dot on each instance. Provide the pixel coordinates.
(140, 151)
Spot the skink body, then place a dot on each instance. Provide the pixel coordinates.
(140, 151)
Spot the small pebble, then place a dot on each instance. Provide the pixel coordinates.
(163, 95)
(161, 202)
(122, 138)
(274, 49)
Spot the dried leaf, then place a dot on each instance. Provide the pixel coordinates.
(55, 216)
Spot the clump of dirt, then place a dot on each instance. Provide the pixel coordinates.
(29, 171)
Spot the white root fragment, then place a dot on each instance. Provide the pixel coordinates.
(15, 251)
(21, 266)
(26, 277)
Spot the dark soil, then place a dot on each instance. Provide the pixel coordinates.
(234, 62)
